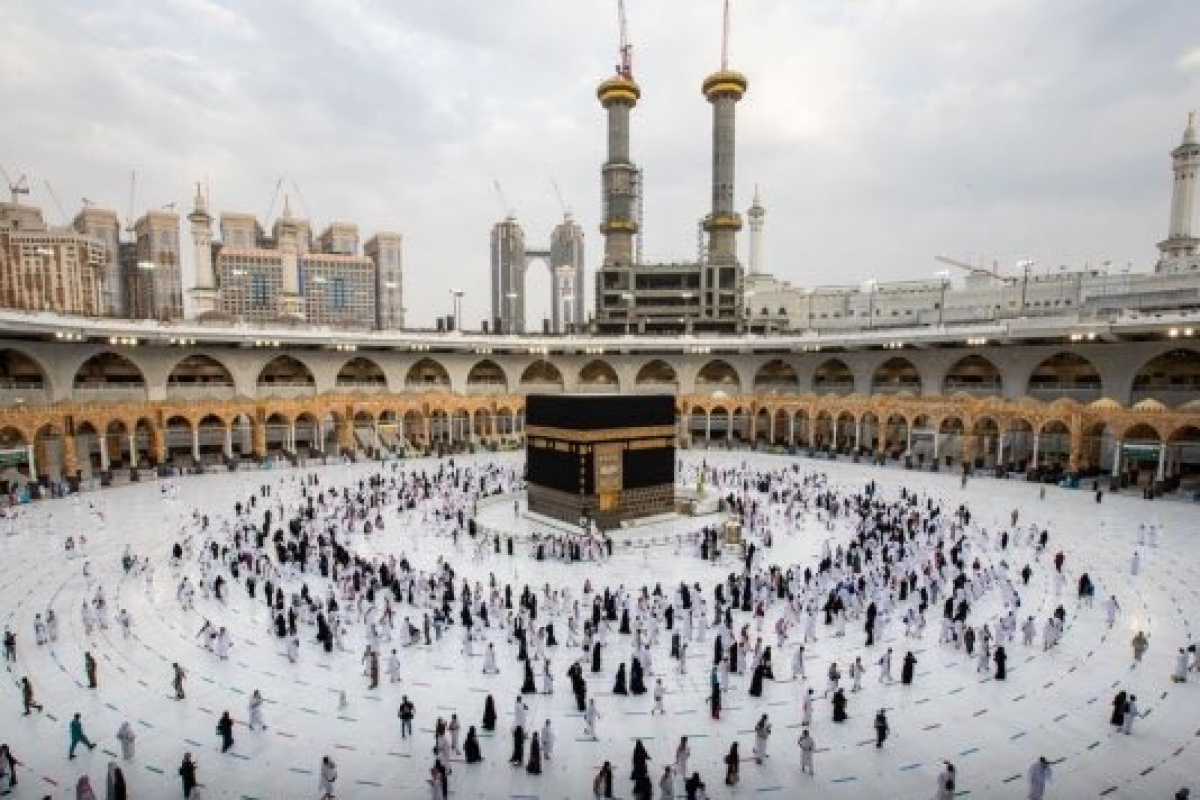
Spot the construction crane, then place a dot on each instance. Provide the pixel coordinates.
(15, 188)
(566, 212)
(725, 38)
(61, 211)
(625, 67)
(505, 208)
(993, 272)
(132, 191)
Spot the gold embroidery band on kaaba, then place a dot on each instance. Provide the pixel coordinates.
(602, 435)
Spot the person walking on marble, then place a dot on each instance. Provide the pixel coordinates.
(807, 747)
(177, 682)
(128, 740)
(187, 775)
(1040, 774)
(255, 709)
(78, 737)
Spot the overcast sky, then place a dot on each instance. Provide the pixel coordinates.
(882, 132)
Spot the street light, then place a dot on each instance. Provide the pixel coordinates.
(512, 322)
(457, 295)
(567, 320)
(1025, 265)
(945, 276)
(872, 283)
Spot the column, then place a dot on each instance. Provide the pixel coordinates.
(1037, 441)
(133, 451)
(937, 443)
(103, 453)
(858, 433)
(292, 437)
(908, 437)
(791, 430)
(229, 442)
(196, 443)
(29, 450)
(1000, 449)
(1116, 467)
(707, 427)
(833, 427)
(319, 427)
(771, 429)
(1162, 463)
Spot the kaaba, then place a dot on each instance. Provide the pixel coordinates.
(604, 458)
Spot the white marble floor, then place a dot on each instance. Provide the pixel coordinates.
(1054, 703)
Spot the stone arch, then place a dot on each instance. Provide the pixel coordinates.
(487, 377)
(542, 376)
(776, 377)
(1172, 378)
(308, 433)
(718, 376)
(1054, 447)
(896, 375)
(975, 375)
(427, 375)
(22, 377)
(285, 376)
(177, 438)
(895, 439)
(657, 373)
(109, 377)
(199, 376)
(599, 374)
(361, 374)
(211, 429)
(832, 376)
(1065, 375)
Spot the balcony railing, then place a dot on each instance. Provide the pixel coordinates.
(110, 393)
(664, 387)
(776, 387)
(834, 387)
(286, 389)
(362, 387)
(201, 391)
(1171, 396)
(1046, 392)
(540, 387)
(487, 387)
(426, 387)
(896, 387)
(15, 393)
(974, 388)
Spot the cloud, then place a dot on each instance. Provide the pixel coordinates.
(882, 132)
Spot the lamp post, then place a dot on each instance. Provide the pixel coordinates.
(512, 322)
(871, 284)
(627, 298)
(945, 280)
(147, 268)
(1025, 265)
(456, 307)
(567, 320)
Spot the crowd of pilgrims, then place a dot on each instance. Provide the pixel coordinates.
(901, 564)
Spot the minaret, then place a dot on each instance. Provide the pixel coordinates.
(291, 303)
(721, 282)
(204, 292)
(618, 95)
(757, 215)
(1180, 246)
